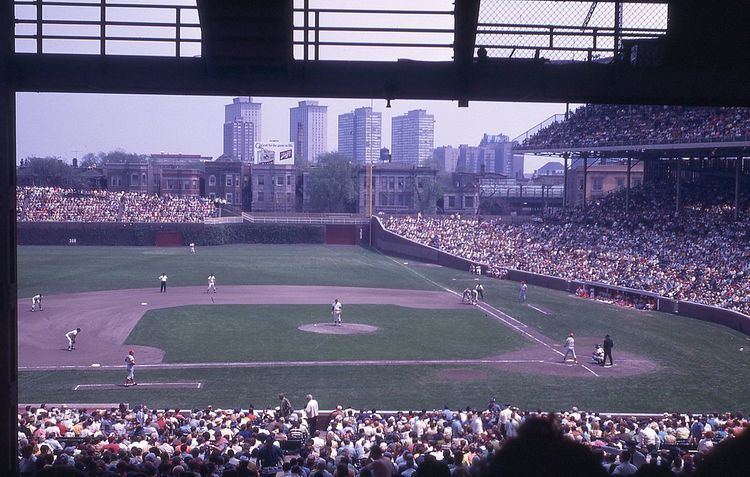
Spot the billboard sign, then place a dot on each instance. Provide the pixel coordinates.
(274, 152)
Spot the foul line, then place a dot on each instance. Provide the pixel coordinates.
(79, 387)
(494, 312)
(285, 364)
(539, 310)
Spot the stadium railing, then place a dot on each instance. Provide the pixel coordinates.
(390, 242)
(311, 219)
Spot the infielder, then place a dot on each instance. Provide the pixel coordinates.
(130, 363)
(163, 281)
(211, 283)
(467, 295)
(36, 300)
(336, 312)
(570, 348)
(71, 335)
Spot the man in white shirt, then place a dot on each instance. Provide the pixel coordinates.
(336, 312)
(312, 413)
(211, 283)
(163, 282)
(192, 248)
(71, 335)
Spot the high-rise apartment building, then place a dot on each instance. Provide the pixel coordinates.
(308, 130)
(505, 161)
(360, 135)
(413, 137)
(242, 127)
(446, 158)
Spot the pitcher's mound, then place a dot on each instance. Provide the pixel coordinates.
(344, 329)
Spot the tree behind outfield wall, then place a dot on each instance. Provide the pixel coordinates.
(48, 172)
(99, 159)
(332, 184)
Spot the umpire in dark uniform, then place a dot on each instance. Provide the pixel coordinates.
(608, 345)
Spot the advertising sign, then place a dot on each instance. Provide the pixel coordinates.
(274, 152)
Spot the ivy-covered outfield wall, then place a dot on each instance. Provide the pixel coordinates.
(65, 233)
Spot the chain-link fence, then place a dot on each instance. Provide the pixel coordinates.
(566, 30)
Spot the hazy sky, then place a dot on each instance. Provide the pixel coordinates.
(69, 125)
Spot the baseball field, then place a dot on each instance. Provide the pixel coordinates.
(406, 342)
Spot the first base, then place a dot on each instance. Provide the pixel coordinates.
(95, 365)
(144, 303)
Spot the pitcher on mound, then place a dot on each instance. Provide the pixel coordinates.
(336, 312)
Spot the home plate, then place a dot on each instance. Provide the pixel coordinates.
(111, 386)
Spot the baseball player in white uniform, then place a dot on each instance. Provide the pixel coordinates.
(36, 301)
(130, 363)
(211, 283)
(71, 335)
(336, 312)
(192, 248)
(570, 348)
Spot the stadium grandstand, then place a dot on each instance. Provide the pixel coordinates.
(450, 442)
(54, 204)
(658, 237)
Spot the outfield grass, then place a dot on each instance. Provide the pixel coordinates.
(55, 269)
(269, 333)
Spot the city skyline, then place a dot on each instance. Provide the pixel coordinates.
(70, 125)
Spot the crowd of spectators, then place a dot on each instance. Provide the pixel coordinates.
(595, 125)
(54, 204)
(450, 442)
(700, 254)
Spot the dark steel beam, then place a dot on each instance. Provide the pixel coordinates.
(8, 281)
(509, 80)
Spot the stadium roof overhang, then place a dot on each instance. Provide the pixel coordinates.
(718, 148)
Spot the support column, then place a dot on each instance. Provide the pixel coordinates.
(8, 283)
(679, 179)
(585, 179)
(565, 181)
(737, 168)
(627, 186)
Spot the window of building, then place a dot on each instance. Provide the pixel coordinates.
(170, 184)
(228, 180)
(134, 179)
(143, 179)
(261, 181)
(391, 183)
(261, 197)
(451, 201)
(185, 185)
(400, 183)
(230, 198)
(237, 180)
(212, 180)
(469, 201)
(597, 183)
(289, 180)
(280, 181)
